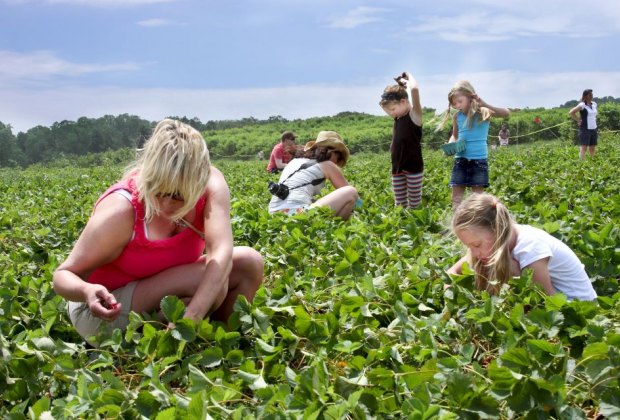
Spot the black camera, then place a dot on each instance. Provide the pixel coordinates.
(279, 190)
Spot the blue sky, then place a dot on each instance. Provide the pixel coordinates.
(230, 59)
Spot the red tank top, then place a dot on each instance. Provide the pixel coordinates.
(143, 258)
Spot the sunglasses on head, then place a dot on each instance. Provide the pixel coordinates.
(176, 196)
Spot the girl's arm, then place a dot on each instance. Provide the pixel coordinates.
(498, 112)
(107, 232)
(218, 249)
(540, 275)
(455, 131)
(456, 268)
(333, 173)
(413, 93)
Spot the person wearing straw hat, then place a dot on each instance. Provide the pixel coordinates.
(304, 177)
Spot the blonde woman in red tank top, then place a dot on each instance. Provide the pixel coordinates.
(162, 230)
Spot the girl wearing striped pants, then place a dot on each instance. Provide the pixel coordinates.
(402, 102)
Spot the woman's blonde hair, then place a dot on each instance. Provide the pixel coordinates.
(475, 112)
(174, 161)
(484, 212)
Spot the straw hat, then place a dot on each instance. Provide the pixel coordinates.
(330, 140)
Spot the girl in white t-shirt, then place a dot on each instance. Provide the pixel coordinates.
(499, 249)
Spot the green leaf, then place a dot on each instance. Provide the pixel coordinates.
(266, 348)
(555, 302)
(596, 351)
(146, 404)
(254, 381)
(547, 347)
(166, 345)
(184, 330)
(212, 357)
(235, 357)
(167, 414)
(347, 346)
(40, 406)
(198, 405)
(173, 308)
(516, 356)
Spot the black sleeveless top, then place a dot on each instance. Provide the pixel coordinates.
(406, 146)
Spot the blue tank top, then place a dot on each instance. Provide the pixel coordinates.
(474, 136)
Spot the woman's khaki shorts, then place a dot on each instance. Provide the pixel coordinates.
(95, 330)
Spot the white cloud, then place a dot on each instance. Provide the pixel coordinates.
(503, 20)
(151, 23)
(109, 3)
(359, 16)
(485, 26)
(24, 109)
(42, 65)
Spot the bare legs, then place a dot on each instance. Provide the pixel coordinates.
(582, 151)
(458, 191)
(341, 201)
(245, 278)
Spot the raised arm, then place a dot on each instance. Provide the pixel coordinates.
(102, 240)
(218, 247)
(413, 92)
(498, 112)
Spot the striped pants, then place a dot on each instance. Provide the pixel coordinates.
(407, 189)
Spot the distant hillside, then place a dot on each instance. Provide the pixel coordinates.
(599, 101)
(244, 138)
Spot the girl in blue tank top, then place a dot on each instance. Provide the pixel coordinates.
(471, 124)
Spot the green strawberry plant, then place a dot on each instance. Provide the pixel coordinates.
(355, 319)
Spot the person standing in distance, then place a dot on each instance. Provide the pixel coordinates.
(588, 132)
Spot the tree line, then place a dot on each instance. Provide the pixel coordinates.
(244, 138)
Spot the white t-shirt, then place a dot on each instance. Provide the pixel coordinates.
(298, 197)
(567, 273)
(591, 111)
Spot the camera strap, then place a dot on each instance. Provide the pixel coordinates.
(302, 167)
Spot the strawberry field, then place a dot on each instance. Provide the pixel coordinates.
(353, 320)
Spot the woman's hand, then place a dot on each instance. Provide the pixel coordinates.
(101, 302)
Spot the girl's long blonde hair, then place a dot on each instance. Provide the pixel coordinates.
(484, 212)
(475, 112)
(174, 160)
